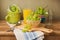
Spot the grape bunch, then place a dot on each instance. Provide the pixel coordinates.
(35, 16)
(26, 28)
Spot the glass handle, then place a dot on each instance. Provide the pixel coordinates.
(7, 17)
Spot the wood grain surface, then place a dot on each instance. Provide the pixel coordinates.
(4, 35)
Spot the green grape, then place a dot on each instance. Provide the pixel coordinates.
(13, 8)
(34, 17)
(40, 10)
(30, 16)
(46, 14)
(38, 18)
(26, 28)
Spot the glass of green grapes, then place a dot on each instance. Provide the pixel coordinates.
(13, 16)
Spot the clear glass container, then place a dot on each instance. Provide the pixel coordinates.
(49, 19)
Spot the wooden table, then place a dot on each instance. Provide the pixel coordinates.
(4, 35)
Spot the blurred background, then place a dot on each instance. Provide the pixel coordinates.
(54, 5)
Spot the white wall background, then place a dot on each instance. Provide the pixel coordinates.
(52, 4)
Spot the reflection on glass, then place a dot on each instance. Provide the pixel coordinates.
(49, 19)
